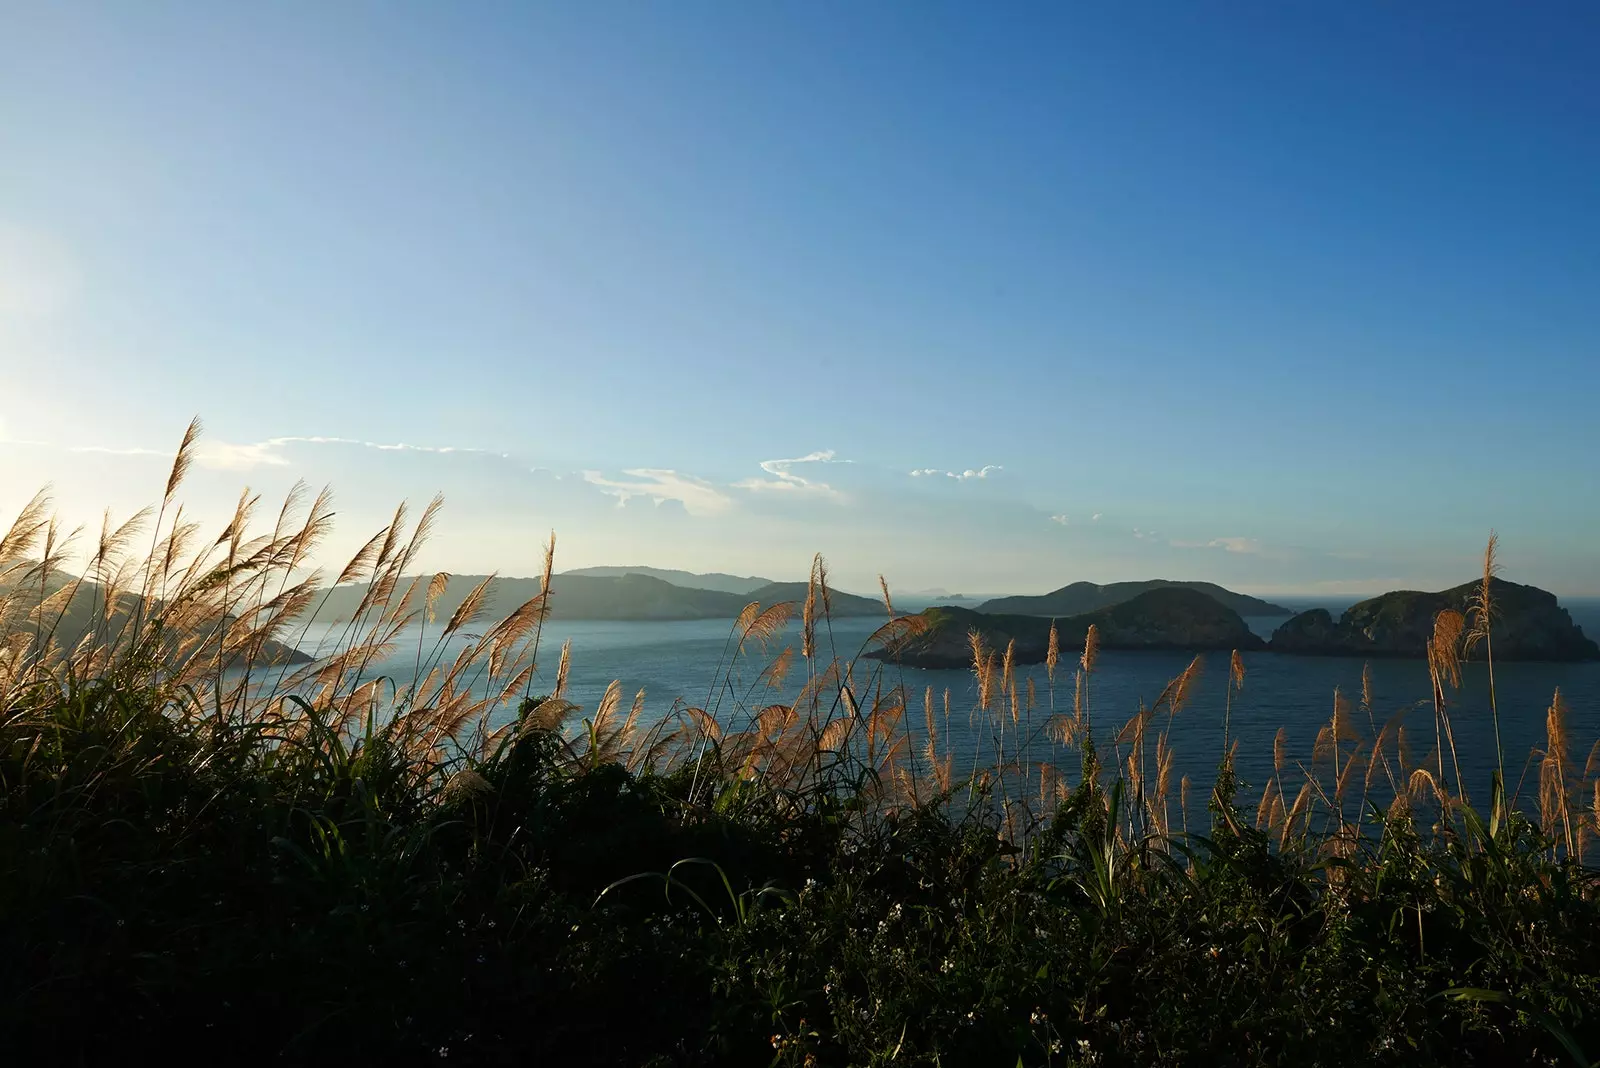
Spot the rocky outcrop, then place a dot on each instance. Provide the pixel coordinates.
(1528, 624)
(1168, 618)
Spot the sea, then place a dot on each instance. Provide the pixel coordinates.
(697, 663)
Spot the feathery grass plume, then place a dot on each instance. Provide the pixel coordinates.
(545, 574)
(181, 462)
(1422, 780)
(1086, 662)
(1338, 729)
(436, 586)
(362, 559)
(467, 783)
(563, 668)
(1482, 612)
(1353, 763)
(1444, 668)
(23, 534)
(552, 712)
(893, 635)
(703, 724)
(1183, 802)
(770, 623)
(1379, 757)
(1163, 778)
(1280, 754)
(1176, 694)
(808, 613)
(1235, 682)
(888, 605)
(835, 736)
(180, 468)
(1062, 729)
(503, 637)
(1302, 803)
(1554, 770)
(777, 670)
(1091, 648)
(421, 532)
(1009, 679)
(471, 608)
(1052, 654)
(741, 623)
(982, 668)
(400, 608)
(1264, 809)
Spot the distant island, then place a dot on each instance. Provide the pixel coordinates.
(1082, 597)
(67, 620)
(1168, 617)
(1528, 624)
(617, 598)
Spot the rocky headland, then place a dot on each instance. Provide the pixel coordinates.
(1527, 624)
(1167, 618)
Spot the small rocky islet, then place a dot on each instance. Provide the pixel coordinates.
(1168, 618)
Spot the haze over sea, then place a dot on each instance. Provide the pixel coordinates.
(683, 662)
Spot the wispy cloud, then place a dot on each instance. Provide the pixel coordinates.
(1231, 545)
(1145, 535)
(1063, 520)
(785, 480)
(1095, 518)
(697, 496)
(1236, 545)
(230, 456)
(106, 450)
(959, 476)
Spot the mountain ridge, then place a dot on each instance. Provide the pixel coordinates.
(716, 581)
(618, 598)
(1077, 598)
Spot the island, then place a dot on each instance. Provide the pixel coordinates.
(1170, 618)
(616, 598)
(1081, 597)
(72, 615)
(1527, 624)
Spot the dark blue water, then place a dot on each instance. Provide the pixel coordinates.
(689, 662)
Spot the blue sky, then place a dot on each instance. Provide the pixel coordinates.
(1297, 297)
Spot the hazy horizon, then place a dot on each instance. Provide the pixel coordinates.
(1297, 301)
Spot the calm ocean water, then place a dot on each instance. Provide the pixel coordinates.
(685, 660)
